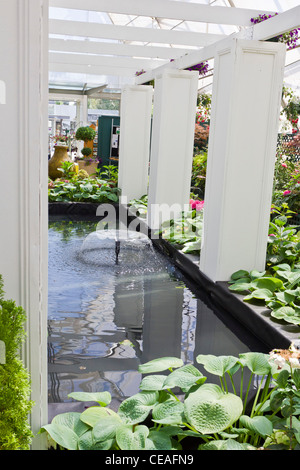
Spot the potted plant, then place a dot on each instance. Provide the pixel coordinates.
(87, 162)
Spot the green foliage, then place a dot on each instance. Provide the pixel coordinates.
(86, 151)
(67, 169)
(85, 133)
(82, 188)
(15, 405)
(215, 417)
(199, 173)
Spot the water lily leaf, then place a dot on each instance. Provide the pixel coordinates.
(259, 425)
(103, 398)
(209, 410)
(217, 365)
(127, 439)
(135, 409)
(160, 364)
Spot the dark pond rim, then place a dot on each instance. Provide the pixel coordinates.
(256, 319)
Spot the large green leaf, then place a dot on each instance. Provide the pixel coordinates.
(103, 398)
(153, 382)
(127, 439)
(184, 377)
(270, 283)
(210, 410)
(229, 444)
(159, 440)
(62, 435)
(257, 362)
(259, 425)
(106, 428)
(93, 414)
(259, 294)
(217, 365)
(169, 412)
(160, 364)
(135, 409)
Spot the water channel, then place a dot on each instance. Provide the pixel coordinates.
(110, 312)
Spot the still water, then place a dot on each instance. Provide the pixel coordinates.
(108, 314)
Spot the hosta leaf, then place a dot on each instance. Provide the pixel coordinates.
(127, 439)
(62, 435)
(217, 365)
(259, 425)
(229, 444)
(135, 409)
(259, 294)
(209, 410)
(256, 362)
(238, 274)
(240, 286)
(158, 440)
(72, 421)
(106, 428)
(153, 382)
(287, 314)
(184, 377)
(93, 414)
(168, 412)
(270, 283)
(103, 398)
(160, 364)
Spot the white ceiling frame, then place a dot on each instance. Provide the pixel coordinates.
(286, 21)
(131, 33)
(117, 49)
(93, 69)
(98, 60)
(166, 9)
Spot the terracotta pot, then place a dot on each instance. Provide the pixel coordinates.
(60, 155)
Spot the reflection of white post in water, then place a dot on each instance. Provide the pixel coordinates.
(163, 318)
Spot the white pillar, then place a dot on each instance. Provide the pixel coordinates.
(248, 77)
(175, 100)
(23, 180)
(134, 152)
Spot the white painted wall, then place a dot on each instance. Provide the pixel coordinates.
(248, 77)
(23, 179)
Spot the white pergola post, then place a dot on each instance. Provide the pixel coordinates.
(248, 78)
(23, 181)
(173, 129)
(135, 120)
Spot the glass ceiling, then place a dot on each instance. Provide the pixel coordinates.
(84, 44)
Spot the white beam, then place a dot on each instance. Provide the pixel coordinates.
(246, 98)
(93, 69)
(286, 21)
(128, 33)
(24, 183)
(170, 9)
(99, 60)
(175, 100)
(135, 120)
(116, 49)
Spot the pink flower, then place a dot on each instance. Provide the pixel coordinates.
(286, 193)
(284, 165)
(195, 204)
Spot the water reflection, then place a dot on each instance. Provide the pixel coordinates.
(106, 318)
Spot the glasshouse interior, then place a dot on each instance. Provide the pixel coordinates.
(150, 235)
